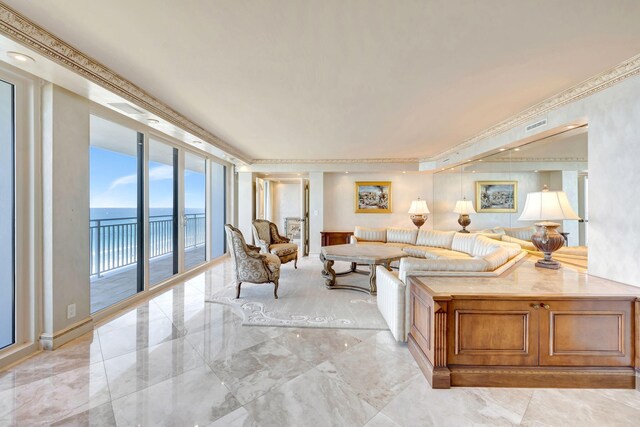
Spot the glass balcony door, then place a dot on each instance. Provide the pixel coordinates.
(194, 218)
(116, 212)
(163, 211)
(218, 209)
(7, 216)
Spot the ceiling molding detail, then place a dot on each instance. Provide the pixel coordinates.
(22, 30)
(538, 159)
(626, 69)
(328, 161)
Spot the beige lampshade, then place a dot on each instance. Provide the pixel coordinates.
(464, 207)
(547, 206)
(418, 207)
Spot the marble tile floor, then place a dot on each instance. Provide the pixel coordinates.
(177, 361)
(118, 285)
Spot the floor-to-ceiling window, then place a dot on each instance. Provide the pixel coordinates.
(115, 213)
(7, 216)
(194, 218)
(218, 208)
(163, 211)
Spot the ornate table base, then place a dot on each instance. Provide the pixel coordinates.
(330, 276)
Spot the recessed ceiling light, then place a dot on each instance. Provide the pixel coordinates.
(20, 57)
(298, 174)
(516, 149)
(536, 171)
(404, 171)
(571, 126)
(502, 149)
(480, 160)
(346, 171)
(153, 121)
(473, 171)
(442, 169)
(266, 174)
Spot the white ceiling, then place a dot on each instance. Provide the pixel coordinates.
(330, 79)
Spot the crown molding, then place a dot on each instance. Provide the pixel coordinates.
(329, 161)
(537, 159)
(22, 30)
(602, 81)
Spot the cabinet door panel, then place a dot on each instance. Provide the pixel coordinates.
(493, 333)
(586, 333)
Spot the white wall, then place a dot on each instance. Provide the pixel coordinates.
(66, 208)
(286, 202)
(567, 181)
(447, 191)
(246, 204)
(614, 182)
(339, 200)
(316, 211)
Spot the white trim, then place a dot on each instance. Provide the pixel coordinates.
(28, 214)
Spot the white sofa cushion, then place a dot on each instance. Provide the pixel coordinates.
(484, 246)
(522, 233)
(463, 242)
(370, 234)
(392, 302)
(496, 258)
(436, 239)
(433, 253)
(513, 249)
(414, 265)
(402, 235)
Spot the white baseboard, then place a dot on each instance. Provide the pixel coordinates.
(53, 341)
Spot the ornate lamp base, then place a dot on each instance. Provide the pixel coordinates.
(464, 221)
(419, 220)
(547, 240)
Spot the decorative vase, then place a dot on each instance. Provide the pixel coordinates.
(547, 240)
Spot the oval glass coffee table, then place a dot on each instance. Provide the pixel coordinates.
(370, 255)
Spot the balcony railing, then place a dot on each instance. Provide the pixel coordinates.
(114, 243)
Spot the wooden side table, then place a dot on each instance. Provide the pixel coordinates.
(331, 238)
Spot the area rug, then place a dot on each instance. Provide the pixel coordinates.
(303, 301)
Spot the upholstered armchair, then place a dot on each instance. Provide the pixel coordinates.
(266, 236)
(249, 264)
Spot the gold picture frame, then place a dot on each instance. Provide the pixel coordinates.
(373, 197)
(496, 196)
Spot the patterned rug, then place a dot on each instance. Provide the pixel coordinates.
(303, 301)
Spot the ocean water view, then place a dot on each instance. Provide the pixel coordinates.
(130, 213)
(113, 235)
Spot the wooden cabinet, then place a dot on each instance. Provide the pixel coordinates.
(586, 333)
(523, 340)
(493, 333)
(330, 238)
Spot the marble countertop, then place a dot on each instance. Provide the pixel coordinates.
(525, 279)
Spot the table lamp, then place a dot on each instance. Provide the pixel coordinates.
(464, 207)
(419, 212)
(546, 206)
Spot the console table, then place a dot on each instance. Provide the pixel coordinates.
(527, 328)
(330, 238)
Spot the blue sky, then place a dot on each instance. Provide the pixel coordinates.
(113, 182)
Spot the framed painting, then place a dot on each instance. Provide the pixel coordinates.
(373, 197)
(292, 228)
(496, 196)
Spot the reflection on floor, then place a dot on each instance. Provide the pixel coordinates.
(178, 361)
(120, 284)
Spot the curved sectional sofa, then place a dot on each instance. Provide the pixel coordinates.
(443, 253)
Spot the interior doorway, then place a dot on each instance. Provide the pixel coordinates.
(284, 200)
